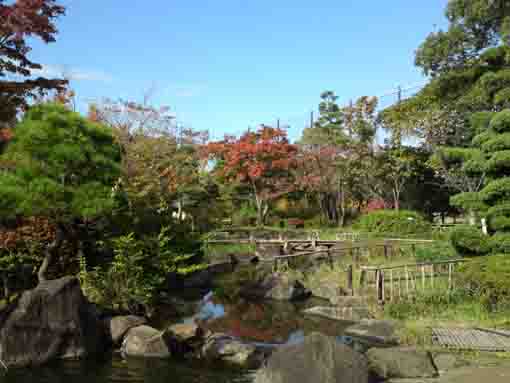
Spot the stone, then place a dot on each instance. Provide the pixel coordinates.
(376, 332)
(328, 291)
(401, 363)
(445, 362)
(275, 286)
(318, 359)
(351, 314)
(118, 326)
(228, 350)
(184, 338)
(145, 341)
(52, 321)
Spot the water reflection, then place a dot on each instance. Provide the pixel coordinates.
(117, 370)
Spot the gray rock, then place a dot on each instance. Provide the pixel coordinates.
(446, 362)
(146, 342)
(328, 292)
(318, 359)
(52, 321)
(401, 363)
(229, 350)
(275, 286)
(351, 314)
(120, 325)
(377, 332)
(184, 338)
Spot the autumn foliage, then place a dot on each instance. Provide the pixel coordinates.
(262, 160)
(21, 21)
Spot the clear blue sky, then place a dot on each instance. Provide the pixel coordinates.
(225, 65)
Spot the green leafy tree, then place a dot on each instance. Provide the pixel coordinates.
(63, 168)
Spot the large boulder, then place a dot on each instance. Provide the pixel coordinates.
(118, 326)
(52, 321)
(401, 363)
(350, 314)
(318, 359)
(146, 342)
(375, 332)
(276, 286)
(228, 350)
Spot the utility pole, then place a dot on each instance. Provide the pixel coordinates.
(277, 123)
(311, 119)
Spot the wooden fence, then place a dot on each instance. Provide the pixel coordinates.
(403, 281)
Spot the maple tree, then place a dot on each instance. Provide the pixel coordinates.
(262, 160)
(21, 21)
(161, 163)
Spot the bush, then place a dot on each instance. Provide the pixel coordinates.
(393, 222)
(469, 241)
(500, 243)
(138, 271)
(487, 278)
(438, 251)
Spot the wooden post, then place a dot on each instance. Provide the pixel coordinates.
(450, 269)
(413, 249)
(391, 285)
(432, 276)
(380, 285)
(385, 251)
(362, 280)
(350, 285)
(423, 277)
(407, 280)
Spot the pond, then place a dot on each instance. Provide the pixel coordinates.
(264, 323)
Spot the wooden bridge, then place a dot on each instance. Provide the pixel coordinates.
(281, 248)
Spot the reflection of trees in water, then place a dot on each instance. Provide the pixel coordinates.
(273, 322)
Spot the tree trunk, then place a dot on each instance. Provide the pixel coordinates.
(472, 217)
(50, 253)
(396, 199)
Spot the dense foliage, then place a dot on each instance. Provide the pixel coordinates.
(393, 222)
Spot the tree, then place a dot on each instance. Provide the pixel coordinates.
(64, 169)
(261, 160)
(335, 153)
(394, 168)
(19, 22)
(161, 162)
(494, 143)
(474, 26)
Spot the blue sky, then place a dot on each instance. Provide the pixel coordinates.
(225, 65)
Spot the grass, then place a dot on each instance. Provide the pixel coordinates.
(213, 251)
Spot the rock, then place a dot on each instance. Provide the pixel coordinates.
(379, 332)
(277, 287)
(52, 321)
(351, 314)
(145, 341)
(120, 325)
(318, 359)
(401, 363)
(267, 250)
(184, 338)
(445, 362)
(229, 350)
(328, 291)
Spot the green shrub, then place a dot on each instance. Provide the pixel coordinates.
(393, 222)
(138, 271)
(500, 243)
(469, 241)
(438, 251)
(487, 278)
